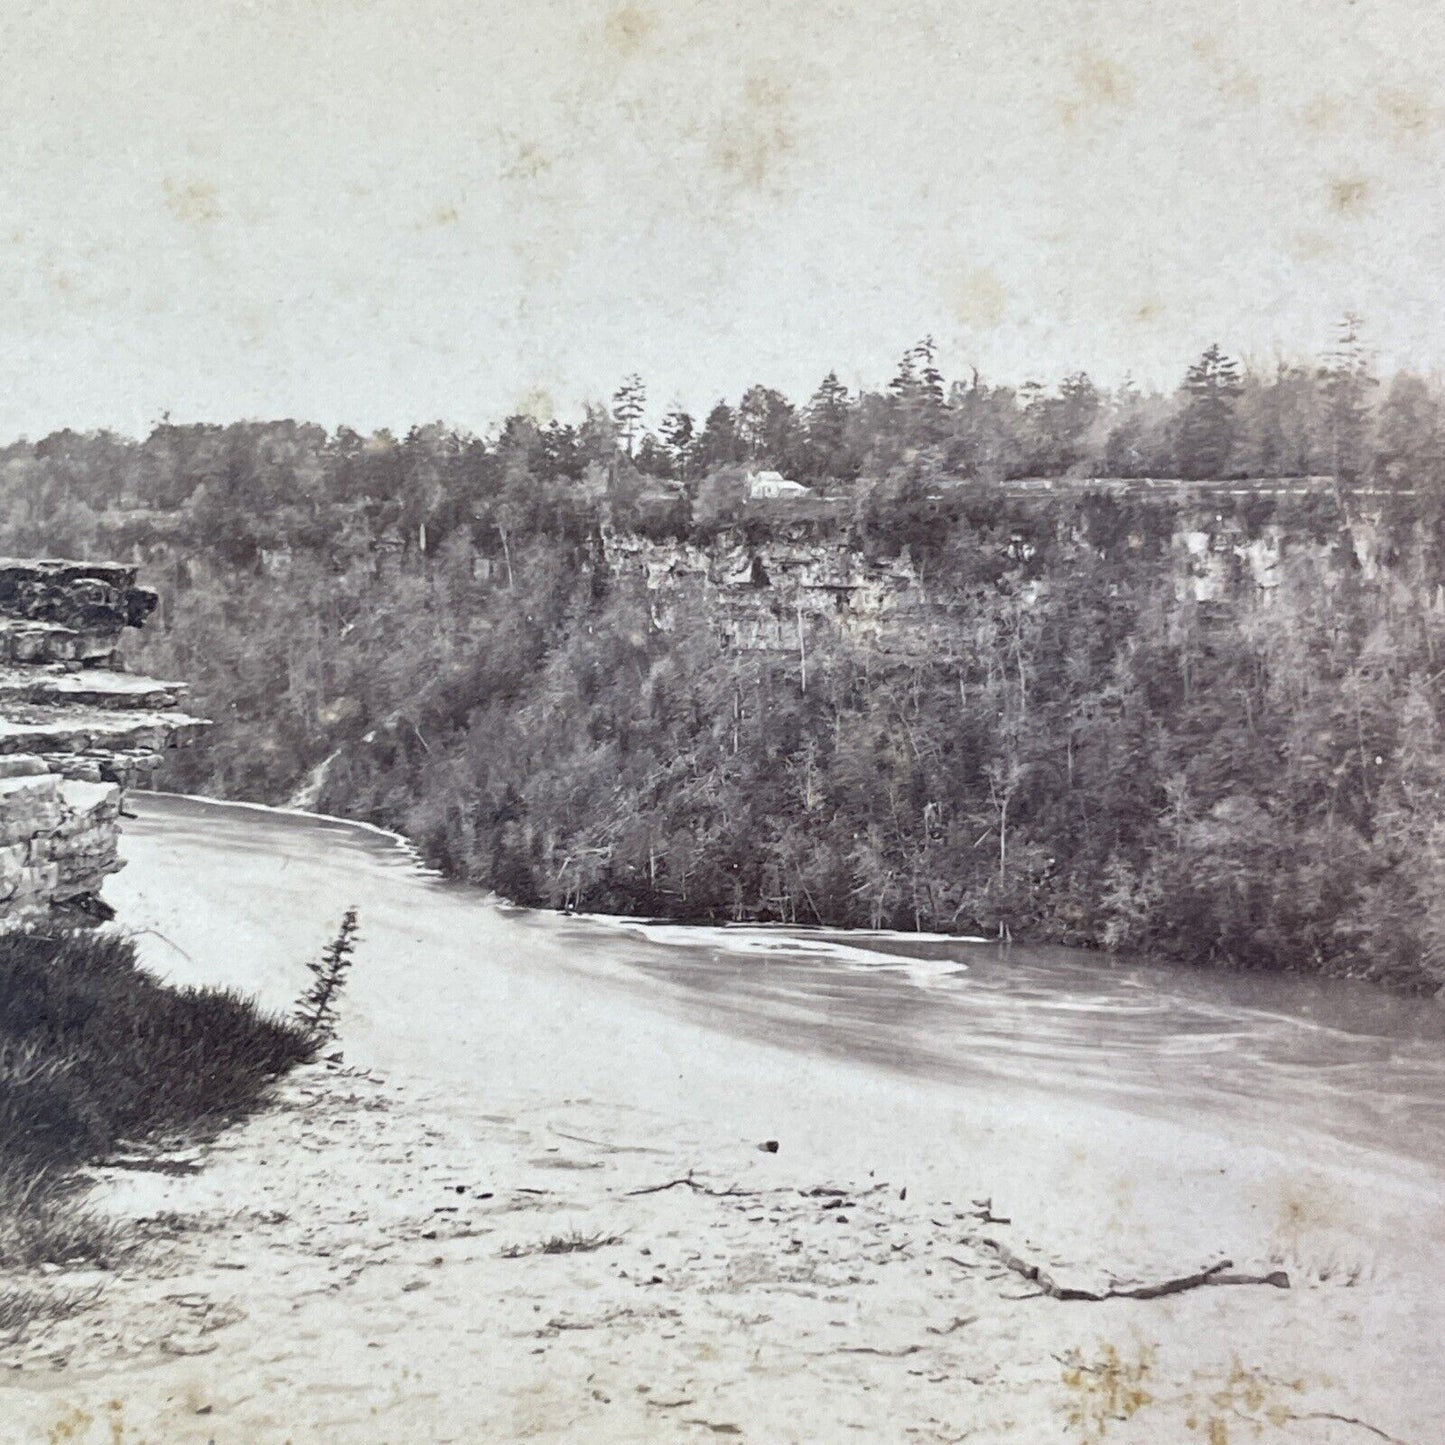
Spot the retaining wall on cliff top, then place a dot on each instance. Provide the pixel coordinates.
(75, 730)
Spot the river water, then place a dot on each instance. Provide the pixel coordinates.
(1291, 1062)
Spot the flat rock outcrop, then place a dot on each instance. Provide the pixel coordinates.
(75, 730)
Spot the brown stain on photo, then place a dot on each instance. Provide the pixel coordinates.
(536, 402)
(1107, 1389)
(749, 147)
(1349, 196)
(1302, 1211)
(1311, 246)
(1232, 81)
(1408, 114)
(1246, 1398)
(627, 29)
(196, 203)
(1102, 86)
(524, 159)
(1323, 113)
(977, 299)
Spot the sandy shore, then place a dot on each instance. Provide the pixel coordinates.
(367, 1262)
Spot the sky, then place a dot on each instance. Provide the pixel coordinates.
(381, 213)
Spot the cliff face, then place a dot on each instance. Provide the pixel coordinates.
(75, 730)
(772, 592)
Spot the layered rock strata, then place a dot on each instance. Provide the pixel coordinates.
(75, 730)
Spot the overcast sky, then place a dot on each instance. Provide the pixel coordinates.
(388, 211)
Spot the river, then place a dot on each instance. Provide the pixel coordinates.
(1276, 1060)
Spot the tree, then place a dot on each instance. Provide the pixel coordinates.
(1079, 408)
(1278, 421)
(1207, 425)
(718, 446)
(917, 391)
(1410, 444)
(628, 403)
(1346, 382)
(679, 432)
(316, 1009)
(653, 458)
(767, 425)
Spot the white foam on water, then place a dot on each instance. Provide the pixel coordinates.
(765, 942)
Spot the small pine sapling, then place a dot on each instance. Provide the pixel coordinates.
(316, 1010)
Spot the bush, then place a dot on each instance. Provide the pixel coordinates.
(94, 1050)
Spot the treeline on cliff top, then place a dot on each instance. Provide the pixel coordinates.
(1083, 752)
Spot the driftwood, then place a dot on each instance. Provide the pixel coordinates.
(1221, 1273)
(688, 1182)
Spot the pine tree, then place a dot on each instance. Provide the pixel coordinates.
(628, 403)
(719, 445)
(766, 425)
(1346, 381)
(930, 379)
(904, 386)
(316, 1010)
(1207, 426)
(917, 391)
(679, 432)
(826, 423)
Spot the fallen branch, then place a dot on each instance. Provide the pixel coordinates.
(1221, 1273)
(1277, 1277)
(688, 1182)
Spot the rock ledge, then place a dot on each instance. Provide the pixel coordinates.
(75, 730)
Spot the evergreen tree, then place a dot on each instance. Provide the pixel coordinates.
(679, 432)
(826, 422)
(718, 446)
(1346, 382)
(767, 426)
(1207, 425)
(628, 403)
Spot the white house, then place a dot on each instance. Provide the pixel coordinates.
(774, 484)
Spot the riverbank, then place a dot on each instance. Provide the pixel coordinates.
(100, 1061)
(373, 1262)
(370, 1261)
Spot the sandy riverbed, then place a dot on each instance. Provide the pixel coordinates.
(363, 1263)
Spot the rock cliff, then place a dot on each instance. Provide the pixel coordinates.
(770, 592)
(75, 730)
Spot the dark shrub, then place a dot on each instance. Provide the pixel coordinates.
(94, 1050)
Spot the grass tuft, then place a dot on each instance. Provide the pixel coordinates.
(573, 1243)
(21, 1308)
